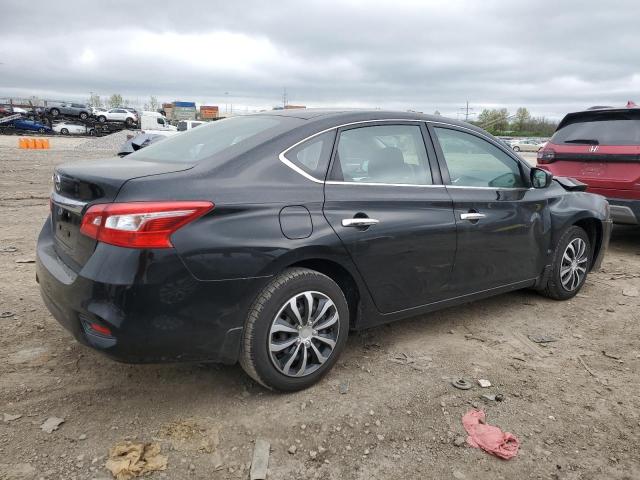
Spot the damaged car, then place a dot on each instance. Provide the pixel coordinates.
(265, 239)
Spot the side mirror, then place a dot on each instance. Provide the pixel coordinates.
(540, 178)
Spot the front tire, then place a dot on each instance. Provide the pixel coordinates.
(54, 112)
(516, 149)
(84, 115)
(102, 119)
(571, 264)
(64, 131)
(295, 330)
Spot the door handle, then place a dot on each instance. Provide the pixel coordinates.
(471, 216)
(359, 222)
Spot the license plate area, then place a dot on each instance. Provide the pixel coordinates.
(66, 226)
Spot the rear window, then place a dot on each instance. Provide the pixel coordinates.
(198, 144)
(614, 128)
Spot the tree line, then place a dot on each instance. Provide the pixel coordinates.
(500, 122)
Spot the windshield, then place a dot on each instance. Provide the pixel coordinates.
(601, 129)
(192, 146)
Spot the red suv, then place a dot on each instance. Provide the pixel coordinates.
(600, 147)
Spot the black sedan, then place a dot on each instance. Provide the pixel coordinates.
(266, 238)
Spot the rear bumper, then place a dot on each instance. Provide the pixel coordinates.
(156, 310)
(625, 211)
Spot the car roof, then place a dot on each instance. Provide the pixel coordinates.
(343, 116)
(596, 111)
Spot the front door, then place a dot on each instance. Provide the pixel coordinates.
(385, 201)
(503, 225)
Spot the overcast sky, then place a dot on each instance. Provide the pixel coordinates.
(550, 56)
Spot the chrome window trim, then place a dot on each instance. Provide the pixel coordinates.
(524, 189)
(297, 169)
(377, 184)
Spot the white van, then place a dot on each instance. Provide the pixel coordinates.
(154, 122)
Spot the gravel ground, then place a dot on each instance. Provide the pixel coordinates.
(387, 411)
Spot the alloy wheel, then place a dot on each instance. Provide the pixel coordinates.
(574, 264)
(304, 333)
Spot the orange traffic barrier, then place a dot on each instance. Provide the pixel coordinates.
(34, 143)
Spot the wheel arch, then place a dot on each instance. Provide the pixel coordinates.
(342, 276)
(593, 227)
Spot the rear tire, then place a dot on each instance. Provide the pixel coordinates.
(311, 350)
(516, 149)
(54, 112)
(64, 131)
(84, 116)
(102, 119)
(570, 267)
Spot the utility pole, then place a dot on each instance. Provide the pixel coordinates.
(467, 111)
(284, 97)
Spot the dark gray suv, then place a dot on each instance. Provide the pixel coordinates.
(72, 109)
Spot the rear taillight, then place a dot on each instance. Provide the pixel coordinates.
(140, 224)
(546, 155)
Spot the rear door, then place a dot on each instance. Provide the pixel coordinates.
(385, 200)
(502, 224)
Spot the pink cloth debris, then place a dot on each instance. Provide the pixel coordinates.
(489, 438)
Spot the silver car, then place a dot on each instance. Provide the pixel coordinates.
(71, 109)
(529, 145)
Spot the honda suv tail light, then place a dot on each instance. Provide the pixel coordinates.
(140, 224)
(546, 155)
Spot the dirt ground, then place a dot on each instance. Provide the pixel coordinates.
(387, 411)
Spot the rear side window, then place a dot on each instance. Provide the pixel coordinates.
(615, 128)
(313, 155)
(389, 154)
(194, 145)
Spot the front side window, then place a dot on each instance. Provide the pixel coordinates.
(474, 162)
(313, 155)
(390, 154)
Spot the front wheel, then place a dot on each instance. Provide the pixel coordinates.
(84, 115)
(54, 112)
(295, 331)
(516, 149)
(102, 119)
(571, 263)
(64, 131)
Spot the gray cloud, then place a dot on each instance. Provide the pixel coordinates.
(552, 57)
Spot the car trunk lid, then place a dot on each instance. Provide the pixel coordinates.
(78, 186)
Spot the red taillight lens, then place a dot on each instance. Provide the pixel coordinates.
(546, 155)
(140, 224)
